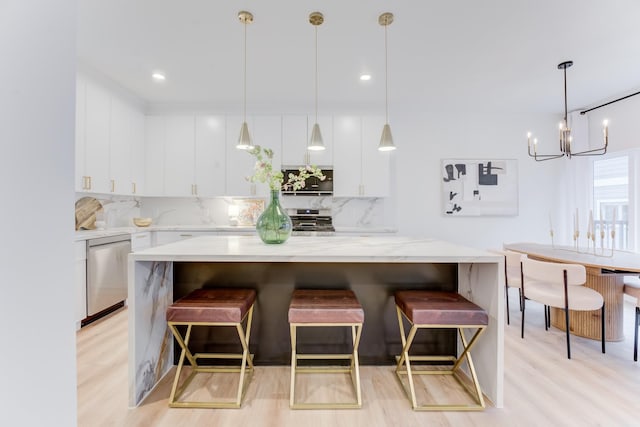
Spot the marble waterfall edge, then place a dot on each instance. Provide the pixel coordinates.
(150, 340)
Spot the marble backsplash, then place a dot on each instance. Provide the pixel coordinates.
(223, 211)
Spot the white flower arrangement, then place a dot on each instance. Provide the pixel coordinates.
(263, 171)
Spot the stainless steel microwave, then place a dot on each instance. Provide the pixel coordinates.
(312, 186)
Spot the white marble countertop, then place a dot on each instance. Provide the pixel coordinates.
(315, 249)
(92, 234)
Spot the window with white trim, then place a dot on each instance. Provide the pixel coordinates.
(611, 201)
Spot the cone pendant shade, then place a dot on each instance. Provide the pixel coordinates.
(244, 140)
(386, 140)
(316, 143)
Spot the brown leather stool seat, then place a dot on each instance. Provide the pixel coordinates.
(333, 308)
(212, 308)
(434, 309)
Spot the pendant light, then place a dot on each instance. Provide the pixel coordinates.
(316, 143)
(386, 140)
(244, 140)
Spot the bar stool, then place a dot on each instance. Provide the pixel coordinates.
(210, 308)
(430, 310)
(333, 308)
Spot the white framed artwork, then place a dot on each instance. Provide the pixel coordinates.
(479, 187)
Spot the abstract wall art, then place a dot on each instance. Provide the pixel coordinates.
(479, 187)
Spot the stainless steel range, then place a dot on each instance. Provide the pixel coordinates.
(311, 221)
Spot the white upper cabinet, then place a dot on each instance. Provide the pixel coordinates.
(294, 140)
(81, 177)
(347, 165)
(359, 169)
(120, 147)
(296, 134)
(239, 162)
(267, 132)
(185, 156)
(109, 136)
(210, 167)
(375, 163)
(154, 142)
(179, 161)
(97, 118)
(137, 154)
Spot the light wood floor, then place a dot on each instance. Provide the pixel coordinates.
(542, 387)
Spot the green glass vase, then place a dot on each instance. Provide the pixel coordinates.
(274, 225)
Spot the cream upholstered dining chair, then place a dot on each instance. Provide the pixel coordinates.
(632, 288)
(560, 286)
(512, 274)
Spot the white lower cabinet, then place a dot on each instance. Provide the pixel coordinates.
(140, 241)
(164, 237)
(81, 282)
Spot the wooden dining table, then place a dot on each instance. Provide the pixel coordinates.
(605, 272)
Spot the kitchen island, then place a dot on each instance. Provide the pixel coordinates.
(373, 267)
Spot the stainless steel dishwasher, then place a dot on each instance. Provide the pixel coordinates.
(106, 274)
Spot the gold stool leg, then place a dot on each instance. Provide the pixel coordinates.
(465, 355)
(294, 363)
(246, 359)
(355, 364)
(476, 392)
(184, 344)
(246, 367)
(353, 369)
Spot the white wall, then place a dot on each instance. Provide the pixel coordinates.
(37, 83)
(624, 126)
(423, 139)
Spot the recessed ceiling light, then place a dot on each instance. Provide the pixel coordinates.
(158, 77)
(365, 77)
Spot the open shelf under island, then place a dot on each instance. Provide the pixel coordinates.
(373, 267)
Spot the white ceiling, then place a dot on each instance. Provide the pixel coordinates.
(489, 55)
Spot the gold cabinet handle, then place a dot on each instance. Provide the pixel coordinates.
(113, 185)
(133, 184)
(89, 181)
